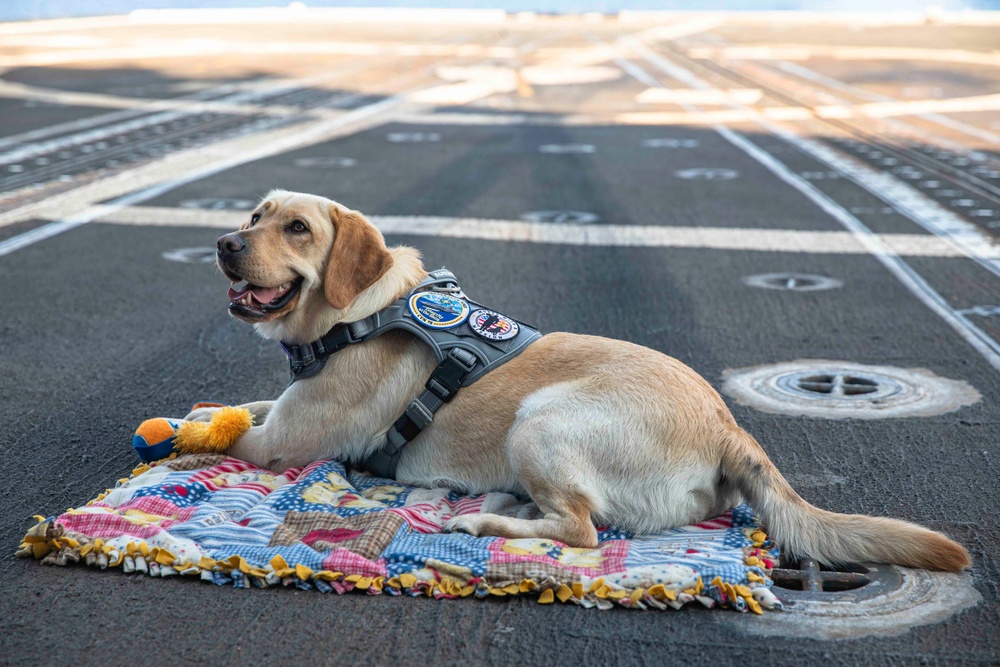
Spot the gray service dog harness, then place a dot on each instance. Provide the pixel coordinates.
(467, 340)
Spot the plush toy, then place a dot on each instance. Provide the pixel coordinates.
(158, 438)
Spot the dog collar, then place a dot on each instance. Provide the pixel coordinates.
(467, 339)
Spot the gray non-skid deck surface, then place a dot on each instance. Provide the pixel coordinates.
(99, 332)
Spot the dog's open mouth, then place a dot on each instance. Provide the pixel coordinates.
(256, 301)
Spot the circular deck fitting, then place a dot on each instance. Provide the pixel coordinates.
(794, 282)
(846, 390)
(191, 255)
(808, 580)
(894, 600)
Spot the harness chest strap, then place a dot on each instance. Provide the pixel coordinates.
(462, 359)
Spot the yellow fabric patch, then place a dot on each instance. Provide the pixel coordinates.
(564, 593)
(547, 597)
(164, 557)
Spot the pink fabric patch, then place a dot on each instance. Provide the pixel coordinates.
(113, 523)
(342, 560)
(334, 535)
(720, 522)
(608, 558)
(106, 525)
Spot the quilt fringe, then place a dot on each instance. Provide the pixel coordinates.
(53, 544)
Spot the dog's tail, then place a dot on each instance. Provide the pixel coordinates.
(831, 538)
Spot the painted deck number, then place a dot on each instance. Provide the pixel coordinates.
(707, 174)
(669, 142)
(566, 148)
(413, 137)
(219, 204)
(326, 162)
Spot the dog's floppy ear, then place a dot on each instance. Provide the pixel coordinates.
(358, 258)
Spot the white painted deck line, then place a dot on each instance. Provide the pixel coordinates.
(716, 238)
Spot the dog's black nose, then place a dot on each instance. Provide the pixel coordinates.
(230, 244)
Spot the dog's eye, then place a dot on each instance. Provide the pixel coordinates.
(254, 218)
(298, 227)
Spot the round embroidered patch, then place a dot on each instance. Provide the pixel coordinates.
(493, 325)
(438, 311)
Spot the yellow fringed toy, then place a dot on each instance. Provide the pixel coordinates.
(159, 437)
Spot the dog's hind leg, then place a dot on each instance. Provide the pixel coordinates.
(566, 520)
(543, 451)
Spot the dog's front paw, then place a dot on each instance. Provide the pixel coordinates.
(201, 415)
(465, 523)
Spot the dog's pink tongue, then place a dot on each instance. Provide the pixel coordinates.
(265, 294)
(261, 294)
(238, 291)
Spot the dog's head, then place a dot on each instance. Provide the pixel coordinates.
(298, 258)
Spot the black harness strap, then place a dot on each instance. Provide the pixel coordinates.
(458, 367)
(308, 359)
(440, 388)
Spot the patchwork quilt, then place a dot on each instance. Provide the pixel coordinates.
(327, 528)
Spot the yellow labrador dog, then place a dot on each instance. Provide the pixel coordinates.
(555, 422)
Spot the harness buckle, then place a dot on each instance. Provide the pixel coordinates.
(447, 378)
(419, 414)
(299, 356)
